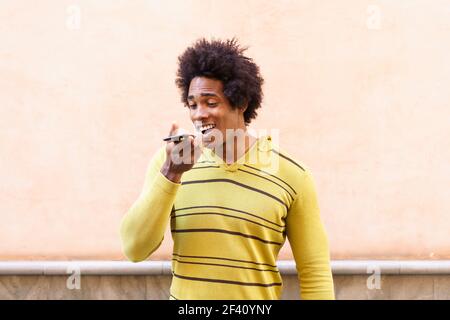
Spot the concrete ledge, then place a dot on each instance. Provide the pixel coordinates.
(286, 267)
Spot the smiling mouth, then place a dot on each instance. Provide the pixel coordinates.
(206, 129)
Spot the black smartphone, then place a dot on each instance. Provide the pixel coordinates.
(178, 137)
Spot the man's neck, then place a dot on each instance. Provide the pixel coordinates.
(237, 148)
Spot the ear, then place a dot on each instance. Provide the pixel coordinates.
(244, 106)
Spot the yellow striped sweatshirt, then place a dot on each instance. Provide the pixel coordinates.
(229, 222)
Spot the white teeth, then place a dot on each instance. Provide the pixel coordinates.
(209, 126)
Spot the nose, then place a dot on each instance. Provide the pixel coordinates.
(200, 113)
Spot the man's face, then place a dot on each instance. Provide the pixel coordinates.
(208, 106)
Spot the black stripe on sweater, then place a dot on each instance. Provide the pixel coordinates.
(231, 209)
(226, 259)
(265, 172)
(238, 184)
(224, 265)
(228, 281)
(234, 233)
(287, 158)
(225, 215)
(292, 198)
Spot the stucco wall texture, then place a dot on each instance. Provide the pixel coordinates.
(358, 89)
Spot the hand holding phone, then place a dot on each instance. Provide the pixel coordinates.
(173, 168)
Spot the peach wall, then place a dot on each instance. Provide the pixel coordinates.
(359, 90)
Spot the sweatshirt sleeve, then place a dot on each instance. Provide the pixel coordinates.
(143, 226)
(309, 243)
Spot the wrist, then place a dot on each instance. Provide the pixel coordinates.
(170, 175)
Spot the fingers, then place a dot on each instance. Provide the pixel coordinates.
(185, 151)
(173, 128)
(196, 145)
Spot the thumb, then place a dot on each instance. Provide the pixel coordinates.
(173, 128)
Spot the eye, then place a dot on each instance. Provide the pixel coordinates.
(210, 104)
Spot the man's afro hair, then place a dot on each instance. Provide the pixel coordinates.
(224, 61)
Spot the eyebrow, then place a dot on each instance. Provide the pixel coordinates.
(205, 94)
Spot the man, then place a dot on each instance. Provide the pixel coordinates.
(230, 209)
